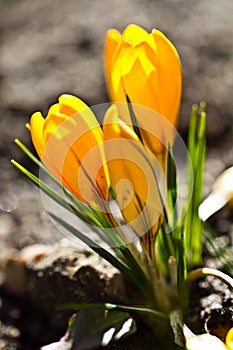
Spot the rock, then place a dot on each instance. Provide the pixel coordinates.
(36, 266)
(39, 278)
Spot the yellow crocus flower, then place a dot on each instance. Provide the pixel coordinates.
(132, 178)
(145, 67)
(69, 142)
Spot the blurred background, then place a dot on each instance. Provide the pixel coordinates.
(52, 47)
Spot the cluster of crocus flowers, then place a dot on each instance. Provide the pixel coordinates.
(86, 159)
(143, 69)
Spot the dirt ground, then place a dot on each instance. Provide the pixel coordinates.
(52, 47)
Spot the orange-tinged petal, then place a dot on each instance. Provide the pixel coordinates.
(158, 34)
(51, 124)
(130, 78)
(131, 175)
(78, 161)
(142, 92)
(169, 78)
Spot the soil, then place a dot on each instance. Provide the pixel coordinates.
(54, 47)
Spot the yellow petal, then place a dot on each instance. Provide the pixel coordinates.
(112, 39)
(54, 109)
(169, 78)
(77, 158)
(86, 115)
(142, 93)
(36, 127)
(114, 81)
(131, 175)
(73, 102)
(147, 57)
(134, 34)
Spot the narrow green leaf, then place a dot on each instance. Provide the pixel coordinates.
(196, 147)
(133, 119)
(109, 306)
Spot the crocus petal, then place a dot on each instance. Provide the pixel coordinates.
(114, 81)
(169, 77)
(135, 92)
(51, 124)
(134, 34)
(36, 126)
(88, 117)
(79, 175)
(111, 42)
(131, 174)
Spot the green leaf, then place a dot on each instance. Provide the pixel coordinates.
(109, 306)
(134, 120)
(92, 328)
(195, 170)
